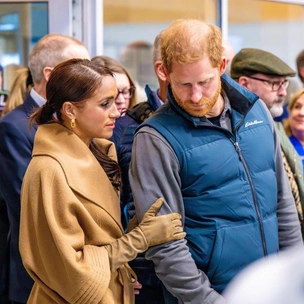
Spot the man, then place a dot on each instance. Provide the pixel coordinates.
(212, 153)
(228, 53)
(16, 144)
(293, 86)
(266, 75)
(300, 66)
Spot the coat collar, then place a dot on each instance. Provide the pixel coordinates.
(83, 172)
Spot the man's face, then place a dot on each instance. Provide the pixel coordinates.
(196, 86)
(274, 100)
(301, 72)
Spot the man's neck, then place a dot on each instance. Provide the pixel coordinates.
(217, 108)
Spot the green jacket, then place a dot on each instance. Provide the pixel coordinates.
(293, 159)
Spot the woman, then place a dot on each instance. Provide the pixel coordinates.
(71, 239)
(126, 97)
(294, 125)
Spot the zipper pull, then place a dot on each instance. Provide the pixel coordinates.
(237, 147)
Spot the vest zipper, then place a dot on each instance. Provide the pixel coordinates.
(238, 150)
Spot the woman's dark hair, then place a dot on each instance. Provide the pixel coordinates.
(76, 80)
(116, 67)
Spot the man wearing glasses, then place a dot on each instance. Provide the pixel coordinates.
(266, 75)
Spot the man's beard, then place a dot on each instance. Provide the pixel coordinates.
(277, 108)
(208, 103)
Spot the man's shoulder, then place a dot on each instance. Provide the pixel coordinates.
(20, 115)
(16, 119)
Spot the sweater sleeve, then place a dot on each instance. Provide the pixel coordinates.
(55, 250)
(154, 172)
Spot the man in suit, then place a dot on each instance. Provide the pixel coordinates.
(267, 76)
(16, 144)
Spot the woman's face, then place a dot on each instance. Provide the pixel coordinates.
(123, 95)
(96, 119)
(296, 117)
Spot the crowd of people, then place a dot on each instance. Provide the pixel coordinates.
(106, 198)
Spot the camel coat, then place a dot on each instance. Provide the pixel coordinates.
(70, 214)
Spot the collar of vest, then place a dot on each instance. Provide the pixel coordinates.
(239, 97)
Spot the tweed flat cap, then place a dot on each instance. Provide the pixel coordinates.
(251, 61)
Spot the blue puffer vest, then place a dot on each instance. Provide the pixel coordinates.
(228, 183)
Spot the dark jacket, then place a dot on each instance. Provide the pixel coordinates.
(123, 138)
(16, 144)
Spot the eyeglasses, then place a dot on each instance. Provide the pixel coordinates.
(275, 85)
(126, 92)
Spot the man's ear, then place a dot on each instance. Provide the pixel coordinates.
(47, 72)
(69, 110)
(223, 65)
(161, 71)
(243, 81)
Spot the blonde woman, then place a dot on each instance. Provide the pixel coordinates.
(294, 125)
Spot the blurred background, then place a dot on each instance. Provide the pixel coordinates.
(125, 29)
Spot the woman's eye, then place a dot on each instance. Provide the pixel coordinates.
(105, 104)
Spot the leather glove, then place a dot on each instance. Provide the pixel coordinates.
(132, 223)
(161, 229)
(153, 230)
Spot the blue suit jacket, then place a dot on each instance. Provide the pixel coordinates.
(16, 145)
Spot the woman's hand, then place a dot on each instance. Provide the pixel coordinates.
(137, 286)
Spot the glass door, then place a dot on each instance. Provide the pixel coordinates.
(21, 26)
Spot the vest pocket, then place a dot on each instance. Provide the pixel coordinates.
(235, 248)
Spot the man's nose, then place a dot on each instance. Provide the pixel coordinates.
(196, 95)
(282, 91)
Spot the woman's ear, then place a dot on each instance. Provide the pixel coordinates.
(69, 110)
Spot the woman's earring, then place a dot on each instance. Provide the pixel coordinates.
(73, 123)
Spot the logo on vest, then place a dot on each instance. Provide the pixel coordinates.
(255, 122)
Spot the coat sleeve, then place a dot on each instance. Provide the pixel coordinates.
(153, 176)
(53, 244)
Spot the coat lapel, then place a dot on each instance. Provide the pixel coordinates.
(83, 172)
